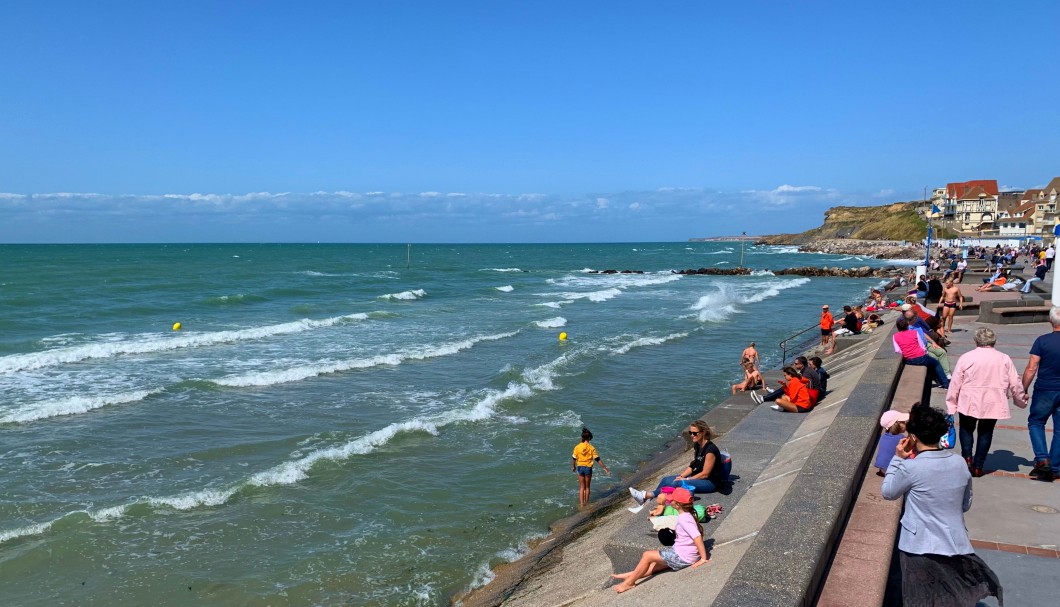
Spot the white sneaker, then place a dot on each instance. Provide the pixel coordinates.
(776, 407)
(637, 495)
(636, 509)
(755, 396)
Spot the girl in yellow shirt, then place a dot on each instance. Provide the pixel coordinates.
(582, 464)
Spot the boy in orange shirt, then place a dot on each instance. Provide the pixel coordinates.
(827, 336)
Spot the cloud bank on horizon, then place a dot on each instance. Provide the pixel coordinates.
(664, 214)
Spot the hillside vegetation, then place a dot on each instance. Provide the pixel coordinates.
(896, 221)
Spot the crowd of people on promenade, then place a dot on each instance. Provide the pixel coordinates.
(917, 450)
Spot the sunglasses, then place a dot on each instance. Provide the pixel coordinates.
(694, 433)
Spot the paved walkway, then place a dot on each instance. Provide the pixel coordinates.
(1014, 522)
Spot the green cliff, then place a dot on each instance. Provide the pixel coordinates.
(896, 221)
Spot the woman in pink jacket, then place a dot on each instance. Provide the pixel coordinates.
(979, 390)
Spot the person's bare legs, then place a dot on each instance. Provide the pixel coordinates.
(583, 489)
(650, 563)
(947, 320)
(787, 405)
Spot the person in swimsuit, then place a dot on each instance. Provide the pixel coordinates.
(952, 299)
(750, 354)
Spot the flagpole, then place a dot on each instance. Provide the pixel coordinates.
(931, 216)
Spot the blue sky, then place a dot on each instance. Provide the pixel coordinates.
(504, 121)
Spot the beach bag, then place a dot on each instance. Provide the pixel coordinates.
(949, 440)
(726, 465)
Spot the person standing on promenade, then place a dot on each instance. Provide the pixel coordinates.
(939, 566)
(827, 337)
(582, 461)
(1045, 401)
(1050, 253)
(979, 391)
(750, 354)
(913, 348)
(952, 300)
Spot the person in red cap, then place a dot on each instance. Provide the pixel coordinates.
(827, 336)
(688, 549)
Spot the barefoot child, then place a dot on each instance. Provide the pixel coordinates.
(582, 464)
(688, 549)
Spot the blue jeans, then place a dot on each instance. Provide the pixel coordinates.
(1045, 404)
(702, 485)
(932, 364)
(970, 447)
(1027, 285)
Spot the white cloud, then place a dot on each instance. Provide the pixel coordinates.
(602, 203)
(635, 206)
(791, 189)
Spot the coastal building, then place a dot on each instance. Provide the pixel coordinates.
(1017, 221)
(976, 208)
(953, 193)
(1046, 206)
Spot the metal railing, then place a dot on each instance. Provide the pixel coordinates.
(784, 345)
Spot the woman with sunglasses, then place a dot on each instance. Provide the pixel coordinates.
(706, 473)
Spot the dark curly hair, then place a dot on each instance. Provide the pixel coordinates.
(928, 424)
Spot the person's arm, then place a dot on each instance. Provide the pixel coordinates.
(684, 474)
(894, 341)
(898, 481)
(708, 465)
(1015, 385)
(1030, 371)
(960, 299)
(955, 388)
(603, 465)
(703, 558)
(573, 464)
(967, 496)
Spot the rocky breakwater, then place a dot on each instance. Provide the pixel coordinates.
(862, 272)
(876, 249)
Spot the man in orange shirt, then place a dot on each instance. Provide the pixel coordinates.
(827, 322)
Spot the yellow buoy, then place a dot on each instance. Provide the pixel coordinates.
(176, 326)
(563, 337)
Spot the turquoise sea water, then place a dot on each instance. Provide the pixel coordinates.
(331, 427)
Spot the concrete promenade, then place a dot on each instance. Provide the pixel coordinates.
(1014, 521)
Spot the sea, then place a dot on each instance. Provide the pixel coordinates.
(339, 424)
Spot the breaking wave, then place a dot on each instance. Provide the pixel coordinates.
(146, 345)
(551, 323)
(726, 300)
(293, 374)
(647, 341)
(71, 406)
(505, 289)
(404, 295)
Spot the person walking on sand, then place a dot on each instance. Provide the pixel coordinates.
(582, 461)
(952, 300)
(688, 549)
(750, 354)
(827, 336)
(1045, 400)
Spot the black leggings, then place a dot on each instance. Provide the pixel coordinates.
(969, 426)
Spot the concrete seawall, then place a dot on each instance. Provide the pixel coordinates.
(795, 473)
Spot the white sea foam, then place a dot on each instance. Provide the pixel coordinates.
(293, 374)
(722, 263)
(71, 406)
(595, 296)
(150, 344)
(506, 288)
(501, 270)
(725, 301)
(762, 273)
(725, 252)
(648, 341)
(552, 323)
(773, 250)
(404, 295)
(293, 471)
(555, 304)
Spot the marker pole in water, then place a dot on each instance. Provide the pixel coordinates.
(408, 257)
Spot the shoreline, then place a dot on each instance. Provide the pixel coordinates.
(508, 576)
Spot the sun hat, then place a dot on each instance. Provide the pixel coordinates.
(892, 417)
(824, 307)
(681, 496)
